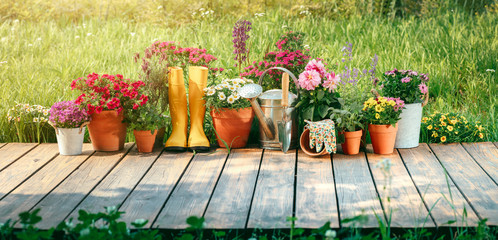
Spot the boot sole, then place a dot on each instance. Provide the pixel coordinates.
(175, 149)
(199, 149)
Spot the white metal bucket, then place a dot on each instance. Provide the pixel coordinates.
(70, 140)
(408, 135)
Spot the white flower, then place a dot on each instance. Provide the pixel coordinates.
(160, 7)
(232, 88)
(385, 164)
(219, 87)
(237, 86)
(139, 221)
(210, 92)
(222, 96)
(89, 34)
(30, 45)
(111, 209)
(307, 46)
(4, 39)
(39, 39)
(201, 9)
(259, 14)
(231, 99)
(84, 25)
(3, 62)
(9, 118)
(236, 96)
(77, 37)
(36, 120)
(16, 21)
(84, 232)
(330, 233)
(490, 70)
(132, 34)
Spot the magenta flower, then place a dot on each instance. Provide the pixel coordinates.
(423, 88)
(331, 82)
(406, 79)
(309, 80)
(317, 66)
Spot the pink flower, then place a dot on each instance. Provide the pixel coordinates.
(317, 66)
(331, 82)
(423, 88)
(309, 80)
(406, 79)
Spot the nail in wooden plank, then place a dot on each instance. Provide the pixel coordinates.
(148, 197)
(231, 200)
(191, 195)
(274, 195)
(438, 191)
(475, 185)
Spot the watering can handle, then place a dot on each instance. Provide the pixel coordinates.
(285, 90)
(281, 69)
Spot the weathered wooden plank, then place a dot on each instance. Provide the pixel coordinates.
(23, 168)
(274, 195)
(475, 185)
(397, 191)
(355, 188)
(486, 154)
(192, 193)
(496, 144)
(57, 205)
(148, 197)
(315, 192)
(41, 183)
(118, 184)
(231, 200)
(13, 151)
(2, 144)
(438, 191)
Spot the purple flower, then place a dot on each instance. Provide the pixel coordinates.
(239, 34)
(67, 114)
(406, 79)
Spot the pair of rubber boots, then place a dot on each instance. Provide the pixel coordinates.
(197, 140)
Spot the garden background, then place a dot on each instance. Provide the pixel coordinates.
(45, 44)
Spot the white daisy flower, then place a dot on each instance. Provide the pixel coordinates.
(222, 96)
(236, 96)
(219, 87)
(35, 119)
(76, 37)
(89, 34)
(211, 92)
(232, 88)
(231, 99)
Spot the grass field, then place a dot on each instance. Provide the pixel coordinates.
(458, 50)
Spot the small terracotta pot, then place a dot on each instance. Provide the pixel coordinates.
(107, 131)
(352, 140)
(233, 126)
(145, 140)
(304, 141)
(383, 138)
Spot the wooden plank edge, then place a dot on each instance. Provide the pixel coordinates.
(466, 146)
(22, 155)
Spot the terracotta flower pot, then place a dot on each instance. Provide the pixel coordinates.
(107, 131)
(232, 126)
(145, 140)
(304, 141)
(383, 138)
(352, 140)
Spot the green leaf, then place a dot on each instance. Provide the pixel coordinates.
(320, 95)
(323, 110)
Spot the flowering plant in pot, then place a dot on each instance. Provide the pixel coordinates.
(411, 87)
(232, 115)
(69, 121)
(145, 121)
(382, 114)
(349, 123)
(105, 98)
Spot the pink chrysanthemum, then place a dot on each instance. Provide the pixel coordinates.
(331, 82)
(317, 66)
(309, 80)
(406, 79)
(423, 88)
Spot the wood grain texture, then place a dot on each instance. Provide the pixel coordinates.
(146, 200)
(315, 192)
(274, 194)
(496, 144)
(23, 168)
(355, 188)
(231, 200)
(475, 185)
(438, 191)
(118, 184)
(191, 196)
(486, 154)
(2, 144)
(65, 197)
(35, 188)
(12, 151)
(397, 191)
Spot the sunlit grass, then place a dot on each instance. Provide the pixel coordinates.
(39, 60)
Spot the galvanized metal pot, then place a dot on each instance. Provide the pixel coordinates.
(408, 135)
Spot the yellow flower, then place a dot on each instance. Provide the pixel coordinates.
(443, 117)
(429, 127)
(434, 134)
(424, 119)
(443, 139)
(377, 116)
(453, 122)
(383, 104)
(382, 100)
(479, 128)
(378, 108)
(443, 124)
(456, 133)
(450, 128)
(481, 135)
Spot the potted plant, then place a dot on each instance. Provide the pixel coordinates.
(349, 124)
(69, 121)
(232, 115)
(382, 114)
(411, 87)
(145, 121)
(105, 98)
(317, 95)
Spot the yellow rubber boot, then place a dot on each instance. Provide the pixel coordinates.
(197, 140)
(178, 109)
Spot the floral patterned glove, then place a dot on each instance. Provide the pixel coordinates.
(322, 133)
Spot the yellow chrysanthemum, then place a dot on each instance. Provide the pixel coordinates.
(378, 108)
(382, 100)
(443, 139)
(434, 134)
(450, 128)
(383, 104)
(443, 124)
(424, 119)
(481, 135)
(429, 127)
(377, 116)
(392, 103)
(453, 121)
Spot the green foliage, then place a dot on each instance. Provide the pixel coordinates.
(407, 85)
(382, 110)
(30, 123)
(225, 95)
(318, 104)
(451, 127)
(146, 117)
(348, 120)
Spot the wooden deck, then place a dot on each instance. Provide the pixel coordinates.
(251, 188)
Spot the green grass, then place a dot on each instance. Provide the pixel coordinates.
(454, 48)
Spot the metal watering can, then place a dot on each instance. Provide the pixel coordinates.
(277, 120)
